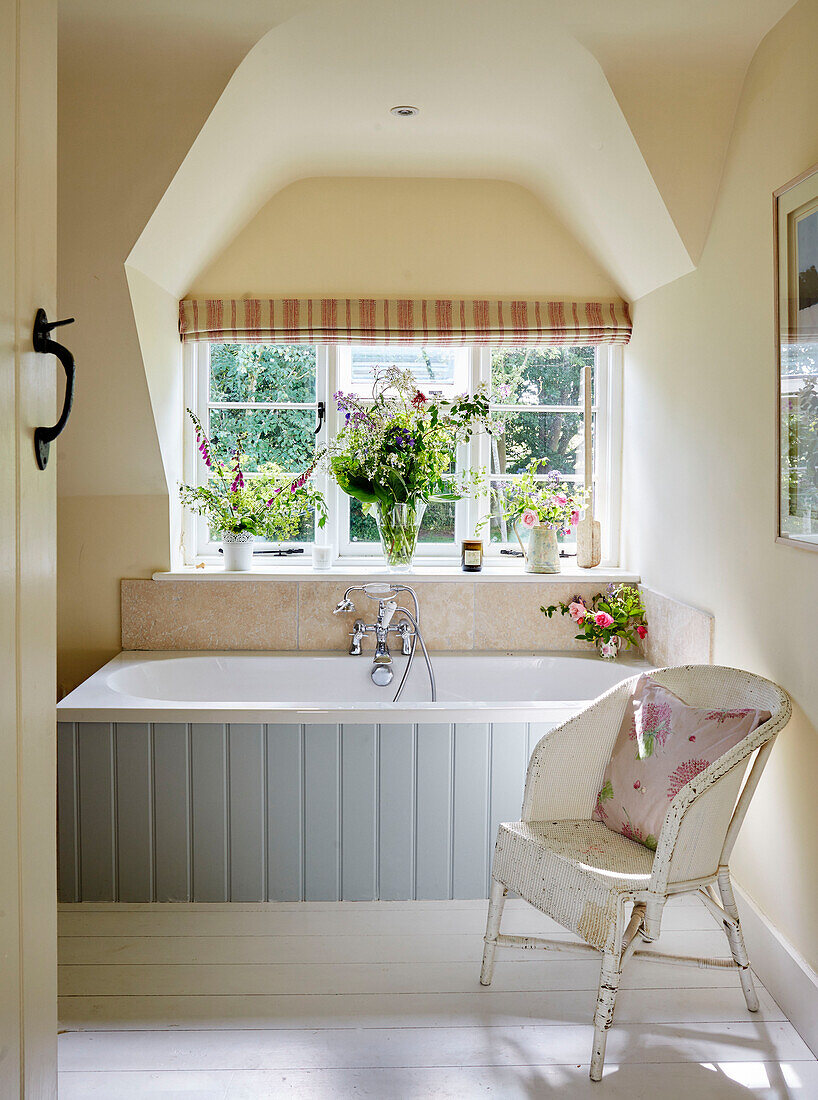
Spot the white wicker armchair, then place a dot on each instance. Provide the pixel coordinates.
(586, 877)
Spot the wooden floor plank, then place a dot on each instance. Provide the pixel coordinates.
(532, 1045)
(680, 1081)
(242, 920)
(373, 948)
(407, 1009)
(528, 974)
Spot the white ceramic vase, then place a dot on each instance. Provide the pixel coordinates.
(238, 551)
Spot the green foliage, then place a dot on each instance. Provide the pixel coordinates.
(400, 447)
(263, 372)
(269, 503)
(802, 454)
(542, 501)
(538, 376)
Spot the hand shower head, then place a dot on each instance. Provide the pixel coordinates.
(376, 590)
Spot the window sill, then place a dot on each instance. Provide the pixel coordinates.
(433, 571)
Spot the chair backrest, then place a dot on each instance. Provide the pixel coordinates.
(703, 819)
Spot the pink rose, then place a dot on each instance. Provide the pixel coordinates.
(530, 519)
(603, 619)
(574, 519)
(561, 498)
(577, 612)
(642, 631)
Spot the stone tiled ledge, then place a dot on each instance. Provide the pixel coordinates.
(297, 614)
(511, 572)
(246, 612)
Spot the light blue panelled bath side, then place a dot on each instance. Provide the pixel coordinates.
(203, 812)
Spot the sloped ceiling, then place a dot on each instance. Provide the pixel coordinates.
(616, 115)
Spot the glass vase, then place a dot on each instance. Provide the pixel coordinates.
(398, 526)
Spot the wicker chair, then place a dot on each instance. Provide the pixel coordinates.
(585, 877)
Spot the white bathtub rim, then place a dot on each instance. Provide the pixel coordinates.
(94, 701)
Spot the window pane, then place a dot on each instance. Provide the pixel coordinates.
(262, 372)
(283, 436)
(438, 523)
(554, 437)
(799, 438)
(362, 528)
(433, 368)
(437, 526)
(539, 376)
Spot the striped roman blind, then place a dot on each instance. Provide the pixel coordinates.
(434, 321)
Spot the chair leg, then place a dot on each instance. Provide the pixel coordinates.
(735, 938)
(497, 899)
(603, 1018)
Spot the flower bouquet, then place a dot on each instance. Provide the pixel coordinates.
(544, 506)
(240, 507)
(613, 619)
(396, 452)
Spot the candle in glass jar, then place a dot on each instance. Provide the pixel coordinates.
(471, 555)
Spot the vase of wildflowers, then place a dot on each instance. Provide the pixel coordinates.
(241, 506)
(396, 452)
(544, 506)
(611, 620)
(398, 528)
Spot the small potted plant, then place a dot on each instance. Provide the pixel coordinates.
(544, 506)
(396, 452)
(613, 620)
(242, 507)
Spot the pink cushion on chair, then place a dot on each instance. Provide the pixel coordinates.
(662, 744)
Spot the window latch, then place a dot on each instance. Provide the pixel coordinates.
(321, 413)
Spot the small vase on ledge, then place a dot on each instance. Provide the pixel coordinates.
(542, 554)
(609, 651)
(238, 551)
(398, 526)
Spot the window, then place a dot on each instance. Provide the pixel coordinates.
(267, 396)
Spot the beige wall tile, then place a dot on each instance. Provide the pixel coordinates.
(446, 614)
(678, 634)
(508, 615)
(200, 614)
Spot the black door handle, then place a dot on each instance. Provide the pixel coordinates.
(44, 437)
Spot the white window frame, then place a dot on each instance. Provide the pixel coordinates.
(197, 548)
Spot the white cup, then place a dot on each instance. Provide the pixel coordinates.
(321, 557)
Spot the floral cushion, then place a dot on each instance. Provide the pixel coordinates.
(662, 744)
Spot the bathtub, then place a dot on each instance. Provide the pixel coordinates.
(252, 777)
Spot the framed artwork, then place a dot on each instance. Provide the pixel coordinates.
(795, 212)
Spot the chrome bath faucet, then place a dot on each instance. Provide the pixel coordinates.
(407, 629)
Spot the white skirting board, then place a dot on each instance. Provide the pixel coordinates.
(788, 977)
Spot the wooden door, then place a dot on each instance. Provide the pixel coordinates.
(28, 141)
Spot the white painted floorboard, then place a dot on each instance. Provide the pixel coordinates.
(382, 1000)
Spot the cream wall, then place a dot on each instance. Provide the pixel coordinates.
(699, 464)
(413, 237)
(131, 101)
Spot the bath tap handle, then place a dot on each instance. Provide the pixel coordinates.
(356, 634)
(404, 631)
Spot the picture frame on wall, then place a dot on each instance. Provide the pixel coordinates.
(795, 222)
